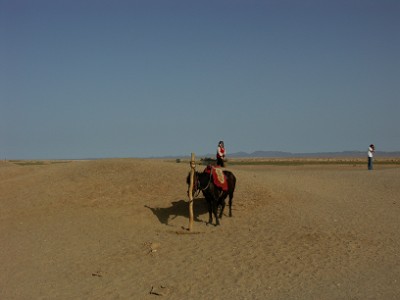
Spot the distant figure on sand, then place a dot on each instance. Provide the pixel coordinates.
(371, 151)
(221, 152)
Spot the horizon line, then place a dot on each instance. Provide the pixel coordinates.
(238, 154)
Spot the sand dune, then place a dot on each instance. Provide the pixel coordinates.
(110, 229)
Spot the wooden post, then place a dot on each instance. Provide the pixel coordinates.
(192, 170)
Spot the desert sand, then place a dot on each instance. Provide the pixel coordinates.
(117, 229)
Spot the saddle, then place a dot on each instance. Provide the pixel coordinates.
(218, 177)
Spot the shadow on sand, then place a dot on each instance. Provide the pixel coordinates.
(180, 208)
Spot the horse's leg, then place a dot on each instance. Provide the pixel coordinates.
(222, 202)
(216, 202)
(210, 218)
(231, 184)
(215, 209)
(230, 204)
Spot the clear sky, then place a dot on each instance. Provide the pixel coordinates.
(94, 78)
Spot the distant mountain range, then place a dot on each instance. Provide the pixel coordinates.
(281, 154)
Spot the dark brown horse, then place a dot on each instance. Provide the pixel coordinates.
(214, 195)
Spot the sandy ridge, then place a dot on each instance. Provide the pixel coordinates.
(115, 229)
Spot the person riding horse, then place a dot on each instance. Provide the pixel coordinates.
(221, 152)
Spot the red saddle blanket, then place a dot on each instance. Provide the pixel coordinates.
(218, 176)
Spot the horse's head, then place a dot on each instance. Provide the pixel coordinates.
(200, 182)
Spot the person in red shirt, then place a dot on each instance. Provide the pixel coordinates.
(221, 152)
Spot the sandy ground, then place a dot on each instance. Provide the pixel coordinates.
(116, 229)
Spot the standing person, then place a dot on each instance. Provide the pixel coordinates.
(221, 152)
(371, 151)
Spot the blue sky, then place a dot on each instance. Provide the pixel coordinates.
(97, 78)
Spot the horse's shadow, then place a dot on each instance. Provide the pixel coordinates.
(180, 208)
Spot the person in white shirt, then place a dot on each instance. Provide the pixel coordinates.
(371, 151)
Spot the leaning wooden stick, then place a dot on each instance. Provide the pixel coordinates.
(192, 170)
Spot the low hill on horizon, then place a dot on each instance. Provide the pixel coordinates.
(282, 154)
(315, 154)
